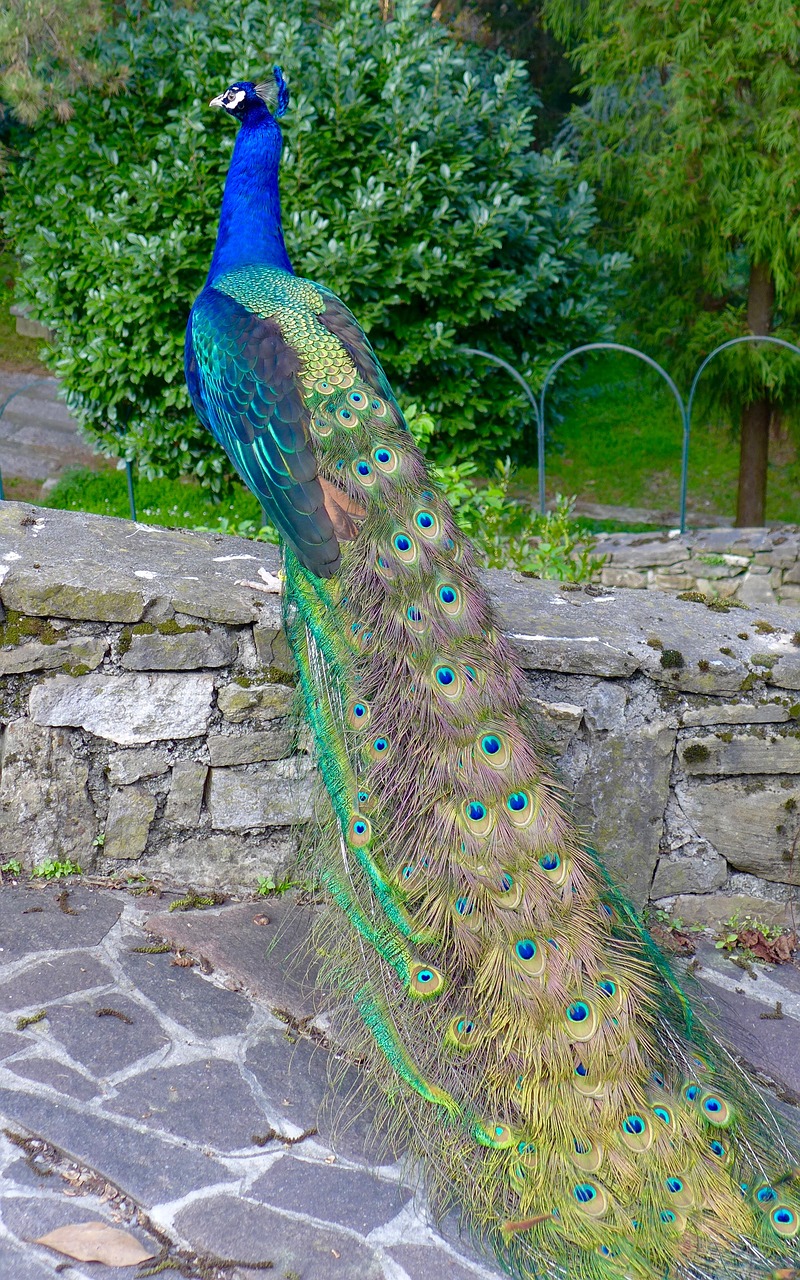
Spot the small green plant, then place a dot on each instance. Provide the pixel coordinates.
(268, 885)
(99, 840)
(11, 868)
(55, 870)
(508, 533)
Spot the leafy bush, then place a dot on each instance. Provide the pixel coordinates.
(409, 185)
(507, 533)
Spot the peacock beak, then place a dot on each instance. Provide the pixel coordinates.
(218, 101)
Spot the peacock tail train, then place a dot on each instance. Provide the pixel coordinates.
(533, 1045)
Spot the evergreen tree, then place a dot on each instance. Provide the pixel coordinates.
(692, 132)
(410, 187)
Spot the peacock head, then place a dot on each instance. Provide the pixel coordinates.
(244, 98)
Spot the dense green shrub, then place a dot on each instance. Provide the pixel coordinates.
(409, 186)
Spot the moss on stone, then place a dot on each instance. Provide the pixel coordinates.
(764, 628)
(749, 682)
(704, 664)
(653, 642)
(727, 651)
(19, 627)
(672, 658)
(169, 627)
(764, 659)
(696, 753)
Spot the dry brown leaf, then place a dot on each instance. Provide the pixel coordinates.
(96, 1242)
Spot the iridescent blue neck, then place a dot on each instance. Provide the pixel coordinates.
(250, 229)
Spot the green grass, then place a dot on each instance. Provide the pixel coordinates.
(22, 353)
(175, 503)
(620, 443)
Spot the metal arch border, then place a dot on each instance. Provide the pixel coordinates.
(684, 407)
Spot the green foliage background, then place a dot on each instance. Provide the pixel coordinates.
(410, 186)
(691, 133)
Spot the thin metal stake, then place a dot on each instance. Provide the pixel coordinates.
(131, 498)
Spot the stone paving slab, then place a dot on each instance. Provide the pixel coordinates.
(232, 1133)
(39, 438)
(201, 1108)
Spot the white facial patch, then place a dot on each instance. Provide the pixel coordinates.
(232, 100)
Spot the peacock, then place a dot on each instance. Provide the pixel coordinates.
(533, 1047)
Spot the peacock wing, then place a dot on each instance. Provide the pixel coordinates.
(242, 375)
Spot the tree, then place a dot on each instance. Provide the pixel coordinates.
(42, 54)
(410, 186)
(692, 131)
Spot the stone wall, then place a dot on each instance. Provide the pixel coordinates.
(754, 566)
(146, 686)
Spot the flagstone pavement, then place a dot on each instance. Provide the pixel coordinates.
(166, 1072)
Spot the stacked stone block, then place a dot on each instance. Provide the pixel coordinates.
(754, 566)
(146, 696)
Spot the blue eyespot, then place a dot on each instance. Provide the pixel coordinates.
(580, 1070)
(674, 1185)
(425, 520)
(464, 1028)
(607, 987)
(380, 744)
(578, 1011)
(401, 542)
(345, 413)
(718, 1149)
(517, 801)
(506, 883)
(526, 949)
(662, 1114)
(447, 595)
(667, 1215)
(383, 455)
(550, 862)
(584, 1192)
(359, 828)
(581, 1148)
(476, 811)
(470, 673)
(413, 614)
(408, 871)
(783, 1216)
(445, 675)
(490, 744)
(364, 469)
(359, 710)
(691, 1091)
(765, 1195)
(712, 1105)
(355, 397)
(634, 1124)
(464, 907)
(424, 975)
